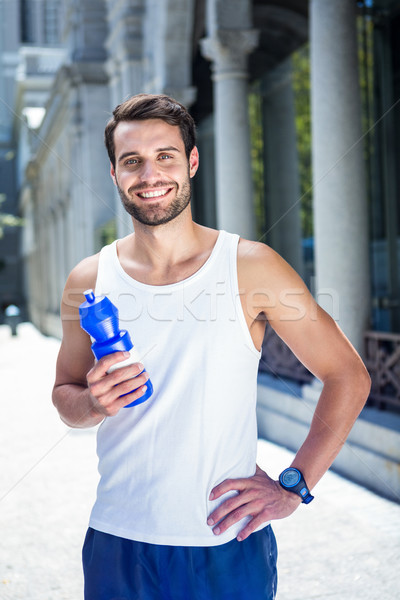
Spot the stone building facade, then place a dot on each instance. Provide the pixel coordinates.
(82, 57)
(204, 53)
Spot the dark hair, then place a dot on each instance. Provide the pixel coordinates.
(151, 106)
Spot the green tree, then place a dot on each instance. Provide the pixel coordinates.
(301, 90)
(257, 158)
(7, 220)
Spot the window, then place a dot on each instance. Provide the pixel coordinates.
(26, 20)
(51, 33)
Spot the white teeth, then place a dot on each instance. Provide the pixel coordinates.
(153, 194)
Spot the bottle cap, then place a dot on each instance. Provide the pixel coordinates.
(99, 318)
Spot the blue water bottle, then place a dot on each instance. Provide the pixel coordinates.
(99, 318)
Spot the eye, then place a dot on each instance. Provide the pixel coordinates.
(165, 156)
(131, 161)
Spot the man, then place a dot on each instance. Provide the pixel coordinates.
(182, 510)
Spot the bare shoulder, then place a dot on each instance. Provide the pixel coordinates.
(82, 277)
(85, 271)
(259, 265)
(270, 285)
(254, 252)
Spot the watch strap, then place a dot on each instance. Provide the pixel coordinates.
(292, 480)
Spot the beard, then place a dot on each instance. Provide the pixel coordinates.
(156, 215)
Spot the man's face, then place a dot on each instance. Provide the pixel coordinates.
(151, 172)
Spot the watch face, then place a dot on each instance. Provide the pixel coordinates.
(290, 477)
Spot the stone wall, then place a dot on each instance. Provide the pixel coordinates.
(371, 454)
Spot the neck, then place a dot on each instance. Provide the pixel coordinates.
(167, 244)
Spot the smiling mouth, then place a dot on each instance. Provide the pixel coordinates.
(154, 194)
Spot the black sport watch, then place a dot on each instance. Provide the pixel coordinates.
(292, 480)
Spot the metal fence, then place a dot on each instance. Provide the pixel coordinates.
(382, 359)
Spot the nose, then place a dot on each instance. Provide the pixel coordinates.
(149, 171)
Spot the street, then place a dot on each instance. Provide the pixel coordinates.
(344, 545)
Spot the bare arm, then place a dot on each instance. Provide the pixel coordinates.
(273, 288)
(83, 392)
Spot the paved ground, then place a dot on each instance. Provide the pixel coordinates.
(345, 545)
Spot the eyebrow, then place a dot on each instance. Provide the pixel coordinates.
(158, 150)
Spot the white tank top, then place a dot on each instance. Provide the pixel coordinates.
(159, 460)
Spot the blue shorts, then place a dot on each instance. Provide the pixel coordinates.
(120, 569)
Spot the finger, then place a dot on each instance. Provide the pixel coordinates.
(101, 367)
(255, 509)
(227, 486)
(121, 374)
(251, 526)
(134, 395)
(100, 382)
(128, 398)
(109, 389)
(112, 387)
(131, 385)
(229, 505)
(110, 404)
(237, 515)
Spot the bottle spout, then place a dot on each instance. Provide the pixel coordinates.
(89, 295)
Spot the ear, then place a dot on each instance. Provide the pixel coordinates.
(193, 161)
(112, 173)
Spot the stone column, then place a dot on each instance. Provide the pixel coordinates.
(386, 140)
(168, 65)
(340, 207)
(281, 163)
(125, 68)
(62, 273)
(91, 191)
(52, 240)
(228, 46)
(125, 48)
(76, 191)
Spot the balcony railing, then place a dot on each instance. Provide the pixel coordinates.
(382, 359)
(38, 61)
(279, 360)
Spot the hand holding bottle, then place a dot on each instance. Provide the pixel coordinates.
(122, 387)
(99, 317)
